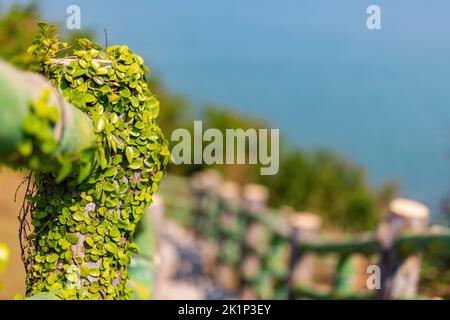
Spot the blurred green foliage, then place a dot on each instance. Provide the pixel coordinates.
(328, 184)
(319, 181)
(4, 259)
(18, 25)
(435, 277)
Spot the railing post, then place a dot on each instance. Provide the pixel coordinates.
(305, 227)
(350, 276)
(204, 185)
(255, 199)
(400, 276)
(215, 251)
(250, 269)
(156, 214)
(145, 268)
(200, 194)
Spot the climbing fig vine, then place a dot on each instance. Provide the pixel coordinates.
(86, 211)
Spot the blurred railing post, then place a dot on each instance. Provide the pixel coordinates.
(399, 275)
(255, 199)
(305, 227)
(205, 185)
(145, 267)
(156, 213)
(250, 269)
(200, 201)
(221, 251)
(351, 274)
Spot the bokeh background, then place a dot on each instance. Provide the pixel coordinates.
(363, 113)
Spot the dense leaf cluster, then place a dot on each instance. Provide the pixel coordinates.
(85, 216)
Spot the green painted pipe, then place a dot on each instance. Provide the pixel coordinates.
(74, 131)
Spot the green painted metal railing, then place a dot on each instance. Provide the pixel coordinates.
(261, 248)
(74, 130)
